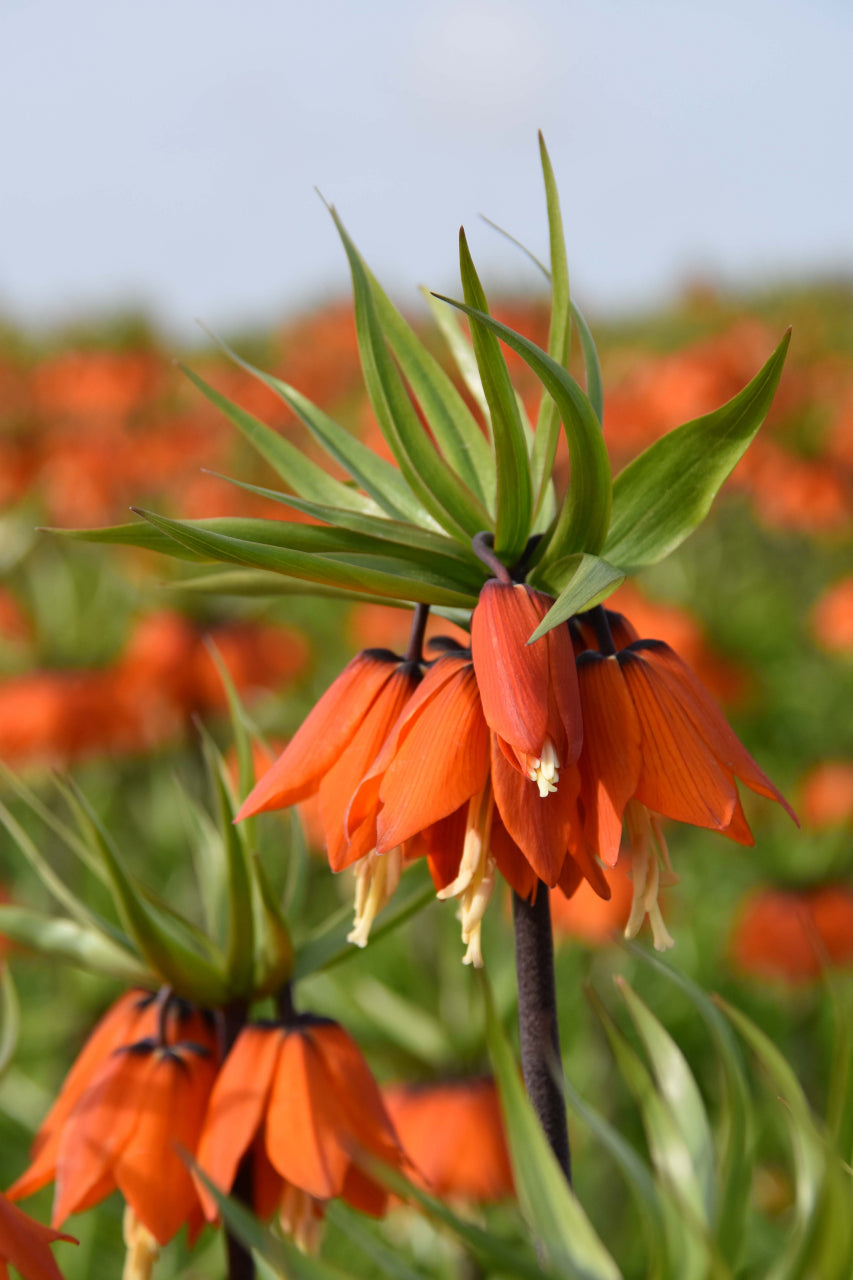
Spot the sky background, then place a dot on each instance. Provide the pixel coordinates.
(164, 154)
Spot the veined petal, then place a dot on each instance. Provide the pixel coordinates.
(513, 676)
(738, 829)
(365, 1195)
(511, 862)
(237, 1105)
(267, 1183)
(440, 764)
(564, 695)
(324, 734)
(368, 1126)
(149, 1171)
(611, 758)
(680, 776)
(301, 1130)
(540, 826)
(340, 782)
(709, 719)
(24, 1243)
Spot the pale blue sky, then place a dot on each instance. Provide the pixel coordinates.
(165, 152)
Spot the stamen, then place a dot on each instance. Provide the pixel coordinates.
(143, 1249)
(475, 880)
(377, 876)
(544, 770)
(299, 1218)
(647, 846)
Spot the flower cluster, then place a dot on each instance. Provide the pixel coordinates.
(524, 758)
(151, 1087)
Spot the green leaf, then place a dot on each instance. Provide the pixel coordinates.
(679, 1090)
(408, 582)
(377, 529)
(451, 423)
(734, 1141)
(462, 354)
(661, 497)
(547, 1201)
(559, 336)
(10, 1018)
(274, 956)
(585, 516)
(240, 946)
(591, 580)
(640, 1182)
(64, 939)
(252, 583)
(514, 494)
(179, 955)
(592, 366)
(429, 476)
(377, 476)
(295, 469)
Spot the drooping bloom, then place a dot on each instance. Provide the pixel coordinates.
(655, 744)
(453, 1133)
(24, 1245)
(301, 1099)
(122, 1120)
(337, 743)
(443, 786)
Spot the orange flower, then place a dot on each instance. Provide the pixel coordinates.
(453, 1133)
(302, 1101)
(442, 786)
(337, 743)
(655, 739)
(791, 935)
(124, 1110)
(24, 1244)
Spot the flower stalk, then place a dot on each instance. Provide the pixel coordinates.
(541, 1063)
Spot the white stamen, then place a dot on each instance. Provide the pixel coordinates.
(544, 770)
(475, 879)
(377, 878)
(298, 1218)
(647, 847)
(143, 1249)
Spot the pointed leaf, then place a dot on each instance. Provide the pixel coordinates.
(386, 1260)
(678, 1088)
(274, 956)
(451, 423)
(429, 476)
(585, 516)
(559, 336)
(590, 580)
(412, 582)
(661, 497)
(10, 1018)
(592, 366)
(66, 940)
(463, 357)
(379, 478)
(546, 1199)
(295, 469)
(252, 583)
(514, 495)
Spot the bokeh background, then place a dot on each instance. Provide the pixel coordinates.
(160, 165)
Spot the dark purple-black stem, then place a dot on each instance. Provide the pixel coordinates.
(241, 1265)
(482, 544)
(541, 1063)
(414, 653)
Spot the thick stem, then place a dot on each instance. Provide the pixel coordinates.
(241, 1265)
(414, 653)
(482, 544)
(541, 1064)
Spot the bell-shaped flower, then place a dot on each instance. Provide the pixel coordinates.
(123, 1129)
(337, 743)
(301, 1101)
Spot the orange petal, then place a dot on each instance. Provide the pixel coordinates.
(709, 720)
(363, 1193)
(680, 776)
(611, 758)
(267, 1184)
(369, 1127)
(237, 1105)
(441, 763)
(513, 676)
(327, 730)
(738, 829)
(149, 1169)
(100, 1124)
(512, 864)
(340, 783)
(302, 1137)
(540, 826)
(25, 1244)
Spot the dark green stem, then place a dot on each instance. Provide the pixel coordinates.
(541, 1063)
